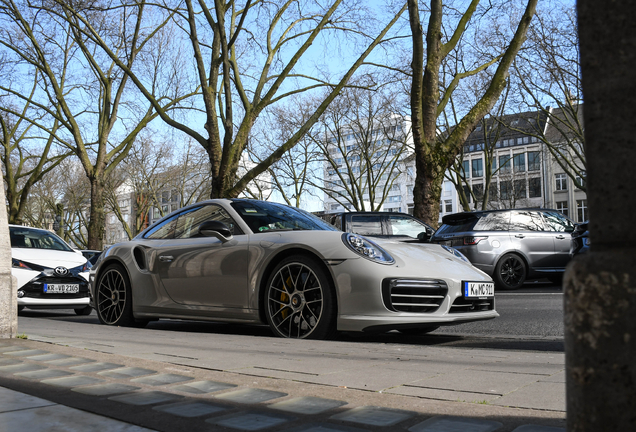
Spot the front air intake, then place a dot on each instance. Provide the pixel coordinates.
(413, 295)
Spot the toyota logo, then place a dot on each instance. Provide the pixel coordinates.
(61, 271)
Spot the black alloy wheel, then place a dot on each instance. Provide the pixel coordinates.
(299, 300)
(86, 310)
(510, 272)
(113, 298)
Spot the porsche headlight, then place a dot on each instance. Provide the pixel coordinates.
(366, 248)
(457, 253)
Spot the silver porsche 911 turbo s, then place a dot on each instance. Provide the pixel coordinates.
(247, 261)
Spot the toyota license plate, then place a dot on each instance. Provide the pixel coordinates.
(61, 288)
(479, 289)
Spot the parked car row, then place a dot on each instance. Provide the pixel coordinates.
(252, 261)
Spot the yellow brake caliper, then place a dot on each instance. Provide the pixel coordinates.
(285, 297)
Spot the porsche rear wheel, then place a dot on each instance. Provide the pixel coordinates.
(113, 298)
(299, 300)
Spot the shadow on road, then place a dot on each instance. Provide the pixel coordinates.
(476, 341)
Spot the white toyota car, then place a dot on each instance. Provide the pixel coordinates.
(50, 274)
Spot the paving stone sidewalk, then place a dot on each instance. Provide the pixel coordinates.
(47, 387)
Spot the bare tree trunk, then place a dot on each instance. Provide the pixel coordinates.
(600, 287)
(97, 221)
(434, 153)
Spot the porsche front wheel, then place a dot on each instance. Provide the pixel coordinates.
(299, 300)
(113, 298)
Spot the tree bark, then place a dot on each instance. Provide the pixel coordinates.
(97, 221)
(600, 287)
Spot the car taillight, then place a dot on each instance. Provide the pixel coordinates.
(469, 241)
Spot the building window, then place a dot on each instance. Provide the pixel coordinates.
(519, 162)
(580, 180)
(520, 188)
(561, 182)
(534, 163)
(493, 165)
(335, 206)
(504, 164)
(448, 206)
(478, 167)
(478, 190)
(562, 206)
(581, 210)
(506, 189)
(467, 193)
(465, 169)
(394, 198)
(447, 188)
(534, 187)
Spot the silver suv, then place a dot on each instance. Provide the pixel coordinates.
(511, 245)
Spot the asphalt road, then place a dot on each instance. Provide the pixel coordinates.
(530, 319)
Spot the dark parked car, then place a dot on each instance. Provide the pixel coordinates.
(389, 225)
(511, 245)
(580, 242)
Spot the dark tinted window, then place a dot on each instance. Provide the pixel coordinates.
(366, 225)
(262, 216)
(188, 223)
(526, 221)
(557, 222)
(498, 221)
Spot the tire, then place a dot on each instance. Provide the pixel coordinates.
(510, 272)
(417, 331)
(113, 298)
(299, 300)
(83, 311)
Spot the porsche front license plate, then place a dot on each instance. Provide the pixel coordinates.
(479, 289)
(61, 288)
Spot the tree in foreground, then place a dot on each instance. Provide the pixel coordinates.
(442, 56)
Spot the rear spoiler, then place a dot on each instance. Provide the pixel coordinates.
(458, 218)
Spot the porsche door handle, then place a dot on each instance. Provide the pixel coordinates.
(520, 236)
(166, 258)
(560, 237)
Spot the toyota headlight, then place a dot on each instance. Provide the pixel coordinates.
(366, 248)
(457, 253)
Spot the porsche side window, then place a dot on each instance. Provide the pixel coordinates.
(164, 230)
(188, 224)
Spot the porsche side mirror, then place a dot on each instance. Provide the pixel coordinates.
(215, 229)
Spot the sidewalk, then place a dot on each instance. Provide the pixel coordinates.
(52, 387)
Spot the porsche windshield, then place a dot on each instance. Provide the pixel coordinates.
(36, 239)
(263, 216)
